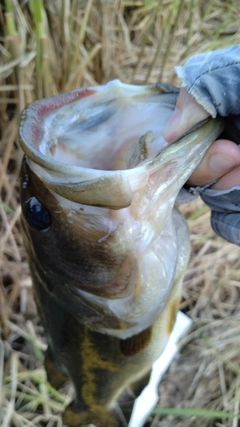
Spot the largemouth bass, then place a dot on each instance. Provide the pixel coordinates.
(107, 248)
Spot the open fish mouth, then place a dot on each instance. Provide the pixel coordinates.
(80, 141)
(101, 155)
(95, 133)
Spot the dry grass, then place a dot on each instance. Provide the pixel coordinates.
(44, 51)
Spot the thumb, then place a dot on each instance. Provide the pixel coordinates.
(187, 113)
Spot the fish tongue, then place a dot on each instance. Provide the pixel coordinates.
(139, 151)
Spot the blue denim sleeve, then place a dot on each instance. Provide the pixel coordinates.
(225, 215)
(213, 79)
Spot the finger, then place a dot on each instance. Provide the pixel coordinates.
(231, 179)
(221, 158)
(187, 113)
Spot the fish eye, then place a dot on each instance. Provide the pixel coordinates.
(37, 215)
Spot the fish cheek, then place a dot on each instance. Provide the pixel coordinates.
(65, 246)
(106, 268)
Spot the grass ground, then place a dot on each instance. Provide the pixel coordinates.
(52, 47)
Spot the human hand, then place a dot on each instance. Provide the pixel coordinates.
(222, 160)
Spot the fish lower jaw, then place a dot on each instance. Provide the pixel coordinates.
(139, 326)
(129, 311)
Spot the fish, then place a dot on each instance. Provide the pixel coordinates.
(106, 245)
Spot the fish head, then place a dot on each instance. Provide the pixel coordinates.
(98, 188)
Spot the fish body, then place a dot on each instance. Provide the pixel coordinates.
(107, 248)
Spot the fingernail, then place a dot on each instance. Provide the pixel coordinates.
(219, 163)
(170, 131)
